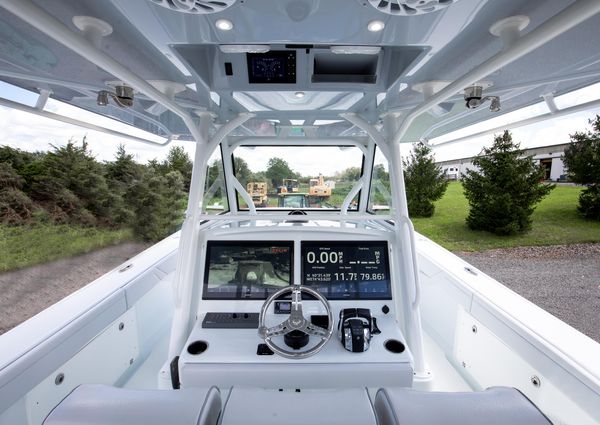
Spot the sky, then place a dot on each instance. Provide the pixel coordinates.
(549, 132)
(34, 133)
(31, 132)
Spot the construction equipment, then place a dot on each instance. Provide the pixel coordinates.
(288, 186)
(293, 200)
(258, 191)
(317, 187)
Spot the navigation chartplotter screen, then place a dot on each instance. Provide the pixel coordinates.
(347, 270)
(246, 270)
(274, 67)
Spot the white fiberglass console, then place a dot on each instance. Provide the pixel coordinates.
(225, 347)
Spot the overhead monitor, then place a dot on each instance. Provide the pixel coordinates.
(356, 270)
(274, 67)
(237, 270)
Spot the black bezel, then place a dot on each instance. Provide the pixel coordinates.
(306, 244)
(288, 58)
(213, 243)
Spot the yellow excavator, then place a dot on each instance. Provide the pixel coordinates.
(317, 187)
(258, 191)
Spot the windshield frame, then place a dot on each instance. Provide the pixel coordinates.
(362, 143)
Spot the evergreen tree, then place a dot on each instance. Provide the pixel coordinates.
(582, 159)
(503, 193)
(179, 160)
(425, 182)
(121, 175)
(157, 203)
(75, 181)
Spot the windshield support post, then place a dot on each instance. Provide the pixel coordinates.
(188, 242)
(234, 186)
(375, 140)
(406, 257)
(190, 236)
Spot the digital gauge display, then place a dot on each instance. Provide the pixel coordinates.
(275, 67)
(347, 270)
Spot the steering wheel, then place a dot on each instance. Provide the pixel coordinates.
(295, 322)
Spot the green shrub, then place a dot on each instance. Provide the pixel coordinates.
(425, 182)
(15, 207)
(589, 202)
(582, 159)
(503, 193)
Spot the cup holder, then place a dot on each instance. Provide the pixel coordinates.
(394, 346)
(197, 347)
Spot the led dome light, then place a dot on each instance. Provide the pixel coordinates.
(224, 24)
(299, 94)
(376, 26)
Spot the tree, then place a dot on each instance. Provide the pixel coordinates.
(277, 170)
(72, 177)
(503, 193)
(157, 202)
(582, 159)
(121, 176)
(179, 160)
(350, 174)
(425, 182)
(123, 169)
(242, 171)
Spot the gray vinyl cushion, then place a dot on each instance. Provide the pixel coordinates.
(340, 406)
(494, 406)
(105, 405)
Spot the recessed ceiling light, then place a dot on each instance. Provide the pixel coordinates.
(376, 26)
(224, 24)
(299, 94)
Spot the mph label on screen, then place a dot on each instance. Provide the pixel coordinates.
(347, 270)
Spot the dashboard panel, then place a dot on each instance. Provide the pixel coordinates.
(340, 270)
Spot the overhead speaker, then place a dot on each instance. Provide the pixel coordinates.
(410, 7)
(196, 6)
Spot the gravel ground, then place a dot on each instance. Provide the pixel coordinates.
(564, 279)
(25, 292)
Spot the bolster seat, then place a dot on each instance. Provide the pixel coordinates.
(340, 406)
(105, 405)
(494, 406)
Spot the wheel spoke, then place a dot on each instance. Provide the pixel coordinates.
(281, 329)
(296, 311)
(311, 329)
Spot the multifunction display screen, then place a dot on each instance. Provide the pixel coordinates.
(276, 67)
(347, 270)
(246, 270)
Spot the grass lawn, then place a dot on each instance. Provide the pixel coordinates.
(28, 245)
(555, 221)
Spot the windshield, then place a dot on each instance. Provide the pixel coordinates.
(298, 176)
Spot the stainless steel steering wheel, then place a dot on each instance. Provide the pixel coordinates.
(295, 321)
